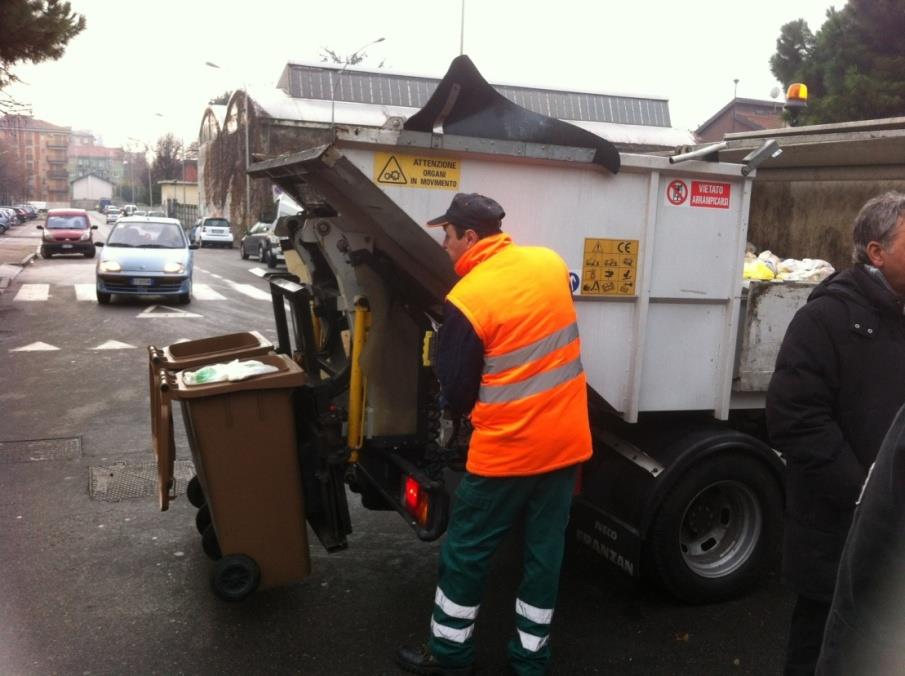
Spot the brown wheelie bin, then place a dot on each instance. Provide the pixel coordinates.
(179, 356)
(243, 442)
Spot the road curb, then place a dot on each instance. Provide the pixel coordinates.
(5, 281)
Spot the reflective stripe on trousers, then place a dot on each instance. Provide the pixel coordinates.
(537, 616)
(456, 611)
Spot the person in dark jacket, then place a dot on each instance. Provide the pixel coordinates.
(838, 382)
(865, 632)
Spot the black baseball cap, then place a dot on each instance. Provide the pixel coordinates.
(474, 212)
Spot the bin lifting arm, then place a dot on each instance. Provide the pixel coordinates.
(357, 382)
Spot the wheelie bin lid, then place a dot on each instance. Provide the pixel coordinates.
(287, 376)
(210, 350)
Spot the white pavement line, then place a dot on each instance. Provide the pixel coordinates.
(200, 269)
(85, 292)
(36, 347)
(215, 275)
(114, 345)
(260, 272)
(33, 292)
(205, 292)
(251, 291)
(165, 311)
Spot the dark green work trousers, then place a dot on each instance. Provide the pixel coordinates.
(485, 510)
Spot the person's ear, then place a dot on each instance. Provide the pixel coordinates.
(471, 237)
(875, 254)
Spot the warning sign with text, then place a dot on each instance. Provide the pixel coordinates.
(702, 194)
(608, 268)
(414, 171)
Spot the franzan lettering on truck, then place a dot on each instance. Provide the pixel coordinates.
(710, 194)
(609, 554)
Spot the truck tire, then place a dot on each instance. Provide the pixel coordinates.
(718, 529)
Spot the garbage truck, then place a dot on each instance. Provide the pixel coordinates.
(683, 488)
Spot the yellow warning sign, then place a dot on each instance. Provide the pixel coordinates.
(608, 267)
(416, 171)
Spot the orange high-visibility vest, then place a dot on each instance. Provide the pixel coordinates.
(531, 415)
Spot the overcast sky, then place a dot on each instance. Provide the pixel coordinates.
(138, 68)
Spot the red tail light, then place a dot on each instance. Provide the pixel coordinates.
(416, 500)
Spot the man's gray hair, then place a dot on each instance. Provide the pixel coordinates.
(876, 222)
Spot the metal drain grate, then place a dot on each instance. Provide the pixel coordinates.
(120, 481)
(36, 450)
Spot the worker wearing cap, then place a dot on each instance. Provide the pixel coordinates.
(509, 354)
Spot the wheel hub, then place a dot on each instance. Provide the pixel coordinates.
(720, 529)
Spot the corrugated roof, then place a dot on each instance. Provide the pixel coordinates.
(305, 81)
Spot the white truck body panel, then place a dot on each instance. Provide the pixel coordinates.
(669, 346)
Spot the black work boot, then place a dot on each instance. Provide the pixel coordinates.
(419, 660)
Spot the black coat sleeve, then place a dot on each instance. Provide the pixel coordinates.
(802, 409)
(460, 361)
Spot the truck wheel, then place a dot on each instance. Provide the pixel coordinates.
(235, 576)
(717, 530)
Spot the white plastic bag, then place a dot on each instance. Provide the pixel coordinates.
(233, 371)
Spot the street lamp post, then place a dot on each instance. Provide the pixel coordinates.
(334, 78)
(131, 179)
(211, 64)
(147, 150)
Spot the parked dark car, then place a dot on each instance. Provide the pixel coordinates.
(67, 231)
(260, 241)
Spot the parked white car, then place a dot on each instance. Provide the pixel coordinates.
(212, 231)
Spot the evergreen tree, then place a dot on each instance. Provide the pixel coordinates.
(854, 66)
(35, 30)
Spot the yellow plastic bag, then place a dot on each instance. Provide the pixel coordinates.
(758, 269)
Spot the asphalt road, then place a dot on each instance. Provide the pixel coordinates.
(90, 586)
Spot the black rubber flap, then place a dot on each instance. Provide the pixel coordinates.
(354, 204)
(465, 104)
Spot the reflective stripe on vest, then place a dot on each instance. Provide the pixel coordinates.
(546, 380)
(535, 350)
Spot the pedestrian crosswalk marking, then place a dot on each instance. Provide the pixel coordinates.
(85, 291)
(30, 292)
(260, 272)
(252, 291)
(36, 347)
(206, 292)
(114, 345)
(165, 311)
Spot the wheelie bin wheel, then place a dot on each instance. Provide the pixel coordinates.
(194, 493)
(235, 576)
(203, 519)
(210, 544)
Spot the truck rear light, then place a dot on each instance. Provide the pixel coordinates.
(416, 500)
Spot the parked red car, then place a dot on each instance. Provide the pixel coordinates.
(67, 231)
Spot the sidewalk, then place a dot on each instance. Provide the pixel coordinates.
(16, 251)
